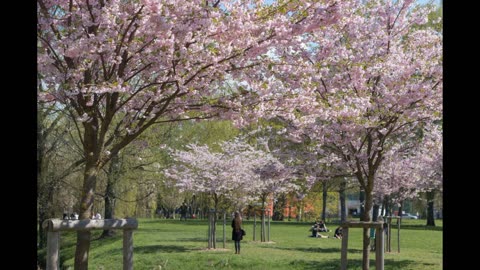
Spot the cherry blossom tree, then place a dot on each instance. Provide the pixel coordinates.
(122, 66)
(216, 173)
(409, 171)
(408, 174)
(237, 169)
(432, 171)
(272, 179)
(363, 85)
(398, 178)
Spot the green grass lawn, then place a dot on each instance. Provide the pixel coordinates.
(173, 244)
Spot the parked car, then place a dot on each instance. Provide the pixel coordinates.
(409, 216)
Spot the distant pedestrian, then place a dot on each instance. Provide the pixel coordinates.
(237, 232)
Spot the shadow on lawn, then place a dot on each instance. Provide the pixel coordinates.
(319, 250)
(352, 264)
(160, 248)
(417, 227)
(143, 250)
(196, 239)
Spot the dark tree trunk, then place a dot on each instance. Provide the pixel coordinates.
(41, 232)
(376, 210)
(110, 193)
(384, 207)
(343, 207)
(430, 209)
(278, 207)
(362, 204)
(262, 228)
(324, 200)
(86, 206)
(193, 206)
(45, 210)
(400, 210)
(366, 232)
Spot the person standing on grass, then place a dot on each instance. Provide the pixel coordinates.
(237, 235)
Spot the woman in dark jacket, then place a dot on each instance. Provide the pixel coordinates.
(237, 231)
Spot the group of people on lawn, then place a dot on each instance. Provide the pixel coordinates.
(319, 226)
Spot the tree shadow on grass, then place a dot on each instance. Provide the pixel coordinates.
(195, 239)
(157, 230)
(353, 264)
(417, 227)
(146, 250)
(319, 249)
(160, 248)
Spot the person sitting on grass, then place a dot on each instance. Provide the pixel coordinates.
(315, 228)
(322, 226)
(338, 233)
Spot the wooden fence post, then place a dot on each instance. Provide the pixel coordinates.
(379, 258)
(343, 265)
(53, 246)
(127, 249)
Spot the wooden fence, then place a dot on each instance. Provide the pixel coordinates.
(379, 260)
(55, 226)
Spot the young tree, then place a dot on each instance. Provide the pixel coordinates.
(215, 173)
(272, 178)
(237, 169)
(122, 66)
(431, 172)
(409, 171)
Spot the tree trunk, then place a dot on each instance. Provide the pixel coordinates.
(86, 206)
(110, 193)
(384, 206)
(41, 232)
(430, 209)
(262, 229)
(212, 239)
(388, 211)
(366, 232)
(214, 229)
(324, 200)
(343, 206)
(362, 204)
(45, 201)
(400, 210)
(376, 210)
(278, 207)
